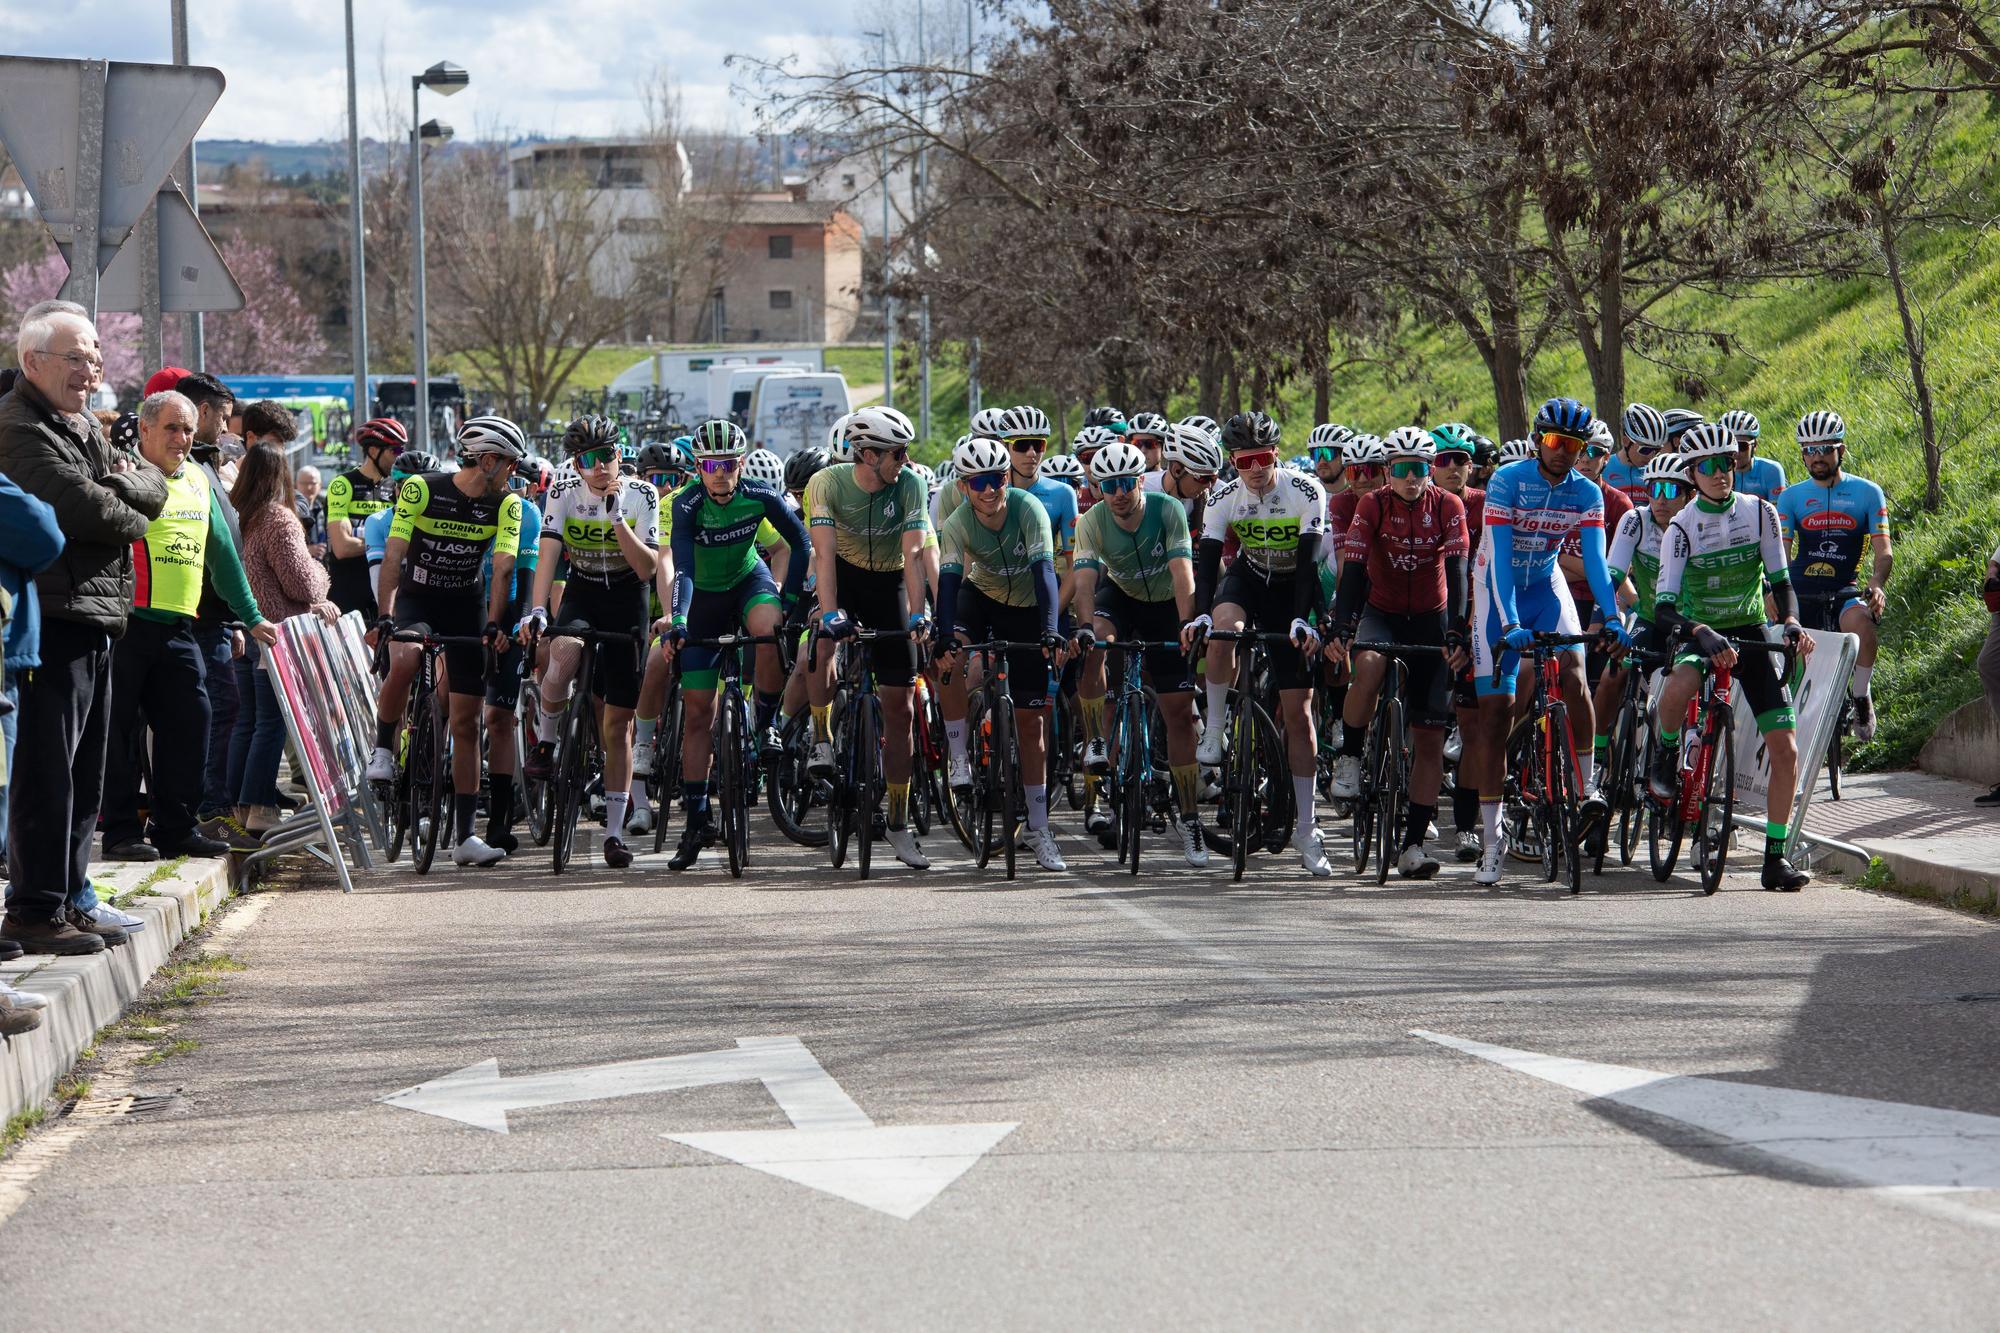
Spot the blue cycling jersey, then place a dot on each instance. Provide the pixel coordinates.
(1060, 502)
(1527, 518)
(1627, 477)
(1833, 525)
(1765, 479)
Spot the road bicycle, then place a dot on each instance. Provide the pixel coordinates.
(1624, 777)
(1257, 806)
(579, 740)
(1544, 788)
(415, 796)
(858, 785)
(1139, 789)
(1385, 760)
(663, 780)
(734, 745)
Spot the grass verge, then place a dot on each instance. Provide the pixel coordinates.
(1879, 878)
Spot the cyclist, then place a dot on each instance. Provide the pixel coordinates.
(1634, 555)
(502, 713)
(1323, 447)
(608, 526)
(1192, 461)
(1679, 421)
(1403, 574)
(1645, 437)
(663, 465)
(870, 569)
(719, 582)
(1590, 461)
(375, 528)
(1718, 555)
(1485, 460)
(350, 499)
(1206, 425)
(1278, 517)
(1110, 418)
(997, 580)
(1147, 432)
(1833, 514)
(1457, 451)
(1761, 477)
(445, 525)
(1135, 579)
(1518, 591)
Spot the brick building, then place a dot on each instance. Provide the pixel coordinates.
(791, 272)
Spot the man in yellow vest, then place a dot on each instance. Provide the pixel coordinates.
(156, 669)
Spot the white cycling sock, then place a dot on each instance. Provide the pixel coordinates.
(1218, 703)
(1489, 823)
(1038, 807)
(1857, 684)
(1302, 792)
(551, 720)
(1586, 768)
(614, 813)
(642, 731)
(954, 738)
(638, 792)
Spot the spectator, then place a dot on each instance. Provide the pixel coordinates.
(56, 451)
(311, 506)
(156, 670)
(1989, 655)
(29, 543)
(288, 582)
(216, 404)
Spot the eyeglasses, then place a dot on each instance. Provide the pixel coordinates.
(660, 479)
(597, 457)
(1714, 465)
(1027, 446)
(1552, 439)
(1360, 471)
(1254, 458)
(1668, 490)
(900, 453)
(716, 466)
(982, 482)
(1746, 442)
(1454, 459)
(1818, 450)
(1144, 441)
(1648, 450)
(1325, 453)
(1117, 485)
(1405, 468)
(1597, 451)
(77, 361)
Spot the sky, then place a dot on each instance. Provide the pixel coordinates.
(540, 67)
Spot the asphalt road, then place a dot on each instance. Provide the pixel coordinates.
(1220, 1116)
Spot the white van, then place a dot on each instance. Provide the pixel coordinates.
(685, 372)
(793, 412)
(732, 387)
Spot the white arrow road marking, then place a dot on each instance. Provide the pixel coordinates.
(1899, 1150)
(833, 1146)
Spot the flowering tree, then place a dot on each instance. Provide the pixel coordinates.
(40, 279)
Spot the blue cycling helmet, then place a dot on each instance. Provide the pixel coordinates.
(1564, 416)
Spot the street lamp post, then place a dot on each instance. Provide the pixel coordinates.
(888, 304)
(358, 314)
(443, 78)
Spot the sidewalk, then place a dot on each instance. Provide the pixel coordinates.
(1925, 829)
(93, 991)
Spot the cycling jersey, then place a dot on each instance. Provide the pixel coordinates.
(1267, 527)
(1629, 478)
(1405, 544)
(1764, 478)
(1138, 562)
(1058, 501)
(1635, 554)
(715, 541)
(1832, 524)
(352, 498)
(1616, 505)
(767, 536)
(1474, 500)
(449, 532)
(1155, 483)
(1715, 559)
(867, 527)
(375, 536)
(999, 563)
(586, 525)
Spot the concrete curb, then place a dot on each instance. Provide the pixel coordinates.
(1966, 887)
(89, 993)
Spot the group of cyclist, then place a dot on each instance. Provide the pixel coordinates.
(1669, 536)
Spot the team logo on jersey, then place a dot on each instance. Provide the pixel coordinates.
(889, 509)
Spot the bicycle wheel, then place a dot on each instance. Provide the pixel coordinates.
(1389, 786)
(1062, 739)
(1566, 790)
(1835, 747)
(1711, 848)
(429, 778)
(1133, 755)
(792, 795)
(840, 809)
(1664, 828)
(867, 779)
(663, 784)
(1366, 811)
(729, 795)
(572, 775)
(1624, 783)
(984, 807)
(1007, 771)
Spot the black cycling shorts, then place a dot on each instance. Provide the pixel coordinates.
(1167, 669)
(449, 615)
(1427, 687)
(1272, 607)
(619, 607)
(980, 618)
(874, 599)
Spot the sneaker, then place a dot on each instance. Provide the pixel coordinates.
(820, 762)
(1096, 820)
(958, 773)
(104, 914)
(1043, 844)
(225, 829)
(55, 936)
(642, 756)
(131, 850)
(1346, 777)
(540, 765)
(9, 951)
(474, 852)
(23, 999)
(1782, 876)
(381, 765)
(774, 745)
(261, 819)
(1468, 845)
(1193, 847)
(1097, 756)
(16, 1018)
(640, 822)
(616, 854)
(1990, 798)
(904, 843)
(1414, 864)
(1209, 752)
(112, 936)
(1864, 717)
(1490, 861)
(1665, 779)
(1312, 854)
(697, 835)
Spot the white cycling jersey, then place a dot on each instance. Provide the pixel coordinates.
(1267, 527)
(583, 522)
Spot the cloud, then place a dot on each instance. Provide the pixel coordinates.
(537, 66)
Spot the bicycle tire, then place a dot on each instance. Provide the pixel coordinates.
(840, 808)
(1242, 786)
(572, 774)
(1007, 769)
(728, 798)
(1061, 751)
(1389, 791)
(663, 784)
(1718, 808)
(1624, 774)
(429, 810)
(1568, 791)
(1835, 748)
(1365, 808)
(868, 782)
(791, 794)
(1134, 793)
(1664, 829)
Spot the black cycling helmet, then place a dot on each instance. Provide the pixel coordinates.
(659, 456)
(804, 465)
(1249, 430)
(415, 462)
(1108, 417)
(590, 432)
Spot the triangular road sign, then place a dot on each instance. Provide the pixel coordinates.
(38, 114)
(894, 1169)
(192, 274)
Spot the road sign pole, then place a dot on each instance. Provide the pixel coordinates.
(152, 342)
(82, 284)
(197, 344)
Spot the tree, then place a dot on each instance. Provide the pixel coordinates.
(42, 279)
(274, 333)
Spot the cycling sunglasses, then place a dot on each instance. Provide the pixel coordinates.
(1648, 450)
(715, 465)
(1117, 485)
(1818, 450)
(1325, 453)
(1669, 490)
(1027, 445)
(1254, 458)
(900, 453)
(591, 458)
(1597, 451)
(660, 479)
(1714, 465)
(1746, 442)
(1453, 458)
(1554, 439)
(1363, 471)
(1405, 468)
(982, 482)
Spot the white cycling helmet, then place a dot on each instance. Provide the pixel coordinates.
(1368, 449)
(1665, 467)
(928, 477)
(1328, 435)
(492, 435)
(987, 424)
(1193, 448)
(1515, 450)
(1020, 423)
(836, 440)
(946, 474)
(1407, 442)
(978, 455)
(765, 466)
(716, 438)
(880, 428)
(1118, 460)
(1093, 437)
(1063, 467)
(1201, 422)
(1822, 427)
(1600, 434)
(1645, 425)
(1741, 424)
(1146, 423)
(1707, 440)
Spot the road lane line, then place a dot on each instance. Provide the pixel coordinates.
(1208, 953)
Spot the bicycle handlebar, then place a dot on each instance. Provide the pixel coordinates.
(578, 630)
(1248, 636)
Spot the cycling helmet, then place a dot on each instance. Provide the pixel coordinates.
(415, 462)
(803, 466)
(946, 474)
(1515, 450)
(1564, 416)
(1679, 420)
(716, 438)
(1463, 429)
(1410, 442)
(765, 466)
(1093, 438)
(1364, 449)
(1193, 448)
(1706, 440)
(1110, 418)
(1201, 422)
(925, 475)
(1328, 435)
(1600, 433)
(659, 456)
(124, 432)
(384, 431)
(1453, 438)
(836, 441)
(1822, 427)
(1020, 423)
(1666, 467)
(1485, 453)
(979, 455)
(492, 435)
(1741, 424)
(1147, 423)
(1249, 430)
(591, 432)
(1118, 460)
(540, 475)
(1064, 467)
(1645, 425)
(987, 424)
(880, 428)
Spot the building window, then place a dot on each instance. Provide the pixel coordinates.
(781, 247)
(781, 300)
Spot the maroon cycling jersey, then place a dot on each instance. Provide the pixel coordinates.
(1616, 505)
(1474, 500)
(1405, 543)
